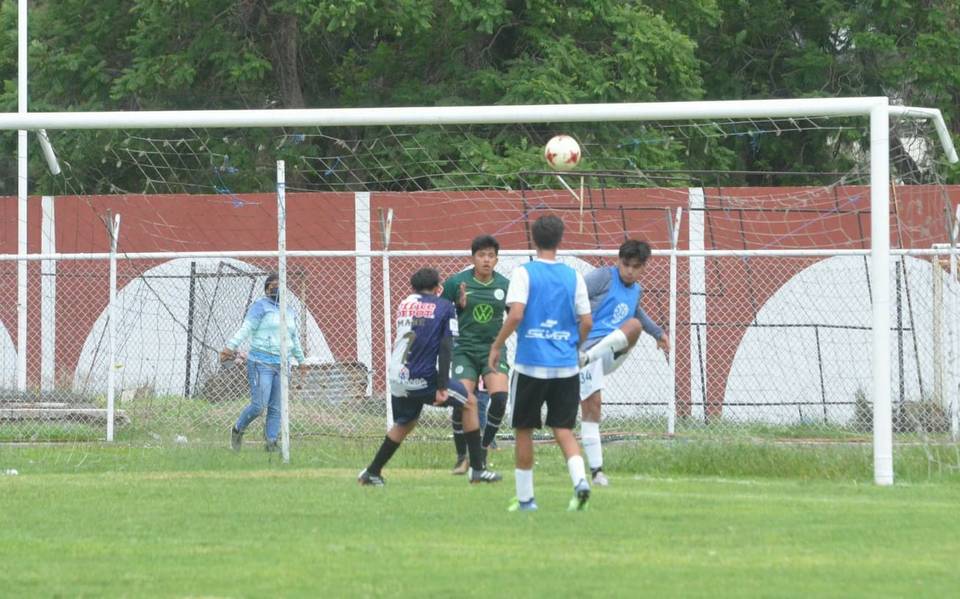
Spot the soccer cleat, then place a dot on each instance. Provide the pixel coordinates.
(522, 506)
(600, 479)
(462, 466)
(581, 495)
(271, 446)
(236, 439)
(484, 476)
(370, 480)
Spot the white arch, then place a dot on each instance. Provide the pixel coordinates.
(783, 365)
(8, 360)
(151, 332)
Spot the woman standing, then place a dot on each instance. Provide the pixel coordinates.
(262, 326)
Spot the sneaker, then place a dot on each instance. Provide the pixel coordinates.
(581, 495)
(600, 479)
(462, 466)
(523, 506)
(484, 476)
(370, 480)
(236, 439)
(271, 446)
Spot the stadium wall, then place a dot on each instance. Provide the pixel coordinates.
(836, 217)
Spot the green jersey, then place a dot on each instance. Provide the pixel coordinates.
(481, 319)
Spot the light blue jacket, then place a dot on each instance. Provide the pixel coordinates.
(262, 325)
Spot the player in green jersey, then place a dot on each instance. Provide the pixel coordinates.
(479, 294)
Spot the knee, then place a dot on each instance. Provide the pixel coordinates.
(632, 329)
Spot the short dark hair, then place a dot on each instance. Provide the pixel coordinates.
(634, 249)
(482, 242)
(547, 232)
(270, 279)
(425, 279)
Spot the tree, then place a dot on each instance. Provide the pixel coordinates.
(202, 54)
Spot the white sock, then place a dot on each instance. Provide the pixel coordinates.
(612, 343)
(611, 365)
(590, 437)
(524, 480)
(576, 470)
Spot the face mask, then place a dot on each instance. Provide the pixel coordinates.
(274, 294)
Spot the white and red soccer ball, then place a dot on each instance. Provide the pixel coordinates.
(562, 152)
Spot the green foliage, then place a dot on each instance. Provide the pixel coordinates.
(183, 55)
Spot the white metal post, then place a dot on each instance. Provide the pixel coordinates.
(48, 296)
(387, 316)
(22, 190)
(284, 333)
(112, 327)
(880, 279)
(939, 389)
(672, 332)
(954, 240)
(363, 284)
(387, 334)
(698, 303)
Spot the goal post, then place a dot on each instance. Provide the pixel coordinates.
(876, 109)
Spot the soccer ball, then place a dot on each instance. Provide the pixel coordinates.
(562, 152)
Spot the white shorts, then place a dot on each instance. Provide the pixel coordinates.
(592, 375)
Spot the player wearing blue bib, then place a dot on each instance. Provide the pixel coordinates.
(419, 374)
(550, 312)
(618, 320)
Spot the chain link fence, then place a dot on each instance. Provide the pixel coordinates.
(766, 346)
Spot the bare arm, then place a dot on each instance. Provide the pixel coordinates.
(510, 323)
(584, 325)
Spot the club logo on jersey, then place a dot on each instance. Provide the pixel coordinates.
(620, 312)
(482, 313)
(499, 294)
(458, 370)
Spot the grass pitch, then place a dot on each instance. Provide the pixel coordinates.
(184, 523)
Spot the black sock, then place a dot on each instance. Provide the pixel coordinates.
(456, 420)
(498, 405)
(472, 440)
(386, 451)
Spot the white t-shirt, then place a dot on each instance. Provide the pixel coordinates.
(519, 291)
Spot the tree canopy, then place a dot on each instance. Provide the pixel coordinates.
(213, 54)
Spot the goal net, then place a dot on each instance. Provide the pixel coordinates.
(762, 273)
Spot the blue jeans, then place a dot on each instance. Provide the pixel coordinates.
(264, 382)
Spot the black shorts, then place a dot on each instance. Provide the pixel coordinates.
(562, 397)
(407, 409)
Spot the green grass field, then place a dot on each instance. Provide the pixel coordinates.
(679, 520)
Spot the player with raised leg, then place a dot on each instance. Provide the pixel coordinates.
(618, 320)
(550, 311)
(479, 294)
(419, 374)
